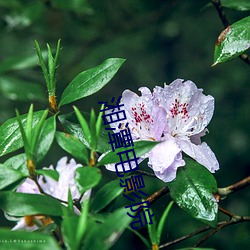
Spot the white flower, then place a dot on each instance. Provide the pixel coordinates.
(177, 115)
(58, 189)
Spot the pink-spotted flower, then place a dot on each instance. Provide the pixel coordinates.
(58, 189)
(177, 115)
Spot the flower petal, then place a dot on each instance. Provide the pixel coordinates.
(146, 119)
(165, 158)
(29, 187)
(59, 189)
(21, 225)
(189, 110)
(201, 153)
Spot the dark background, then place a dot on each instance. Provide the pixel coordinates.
(161, 41)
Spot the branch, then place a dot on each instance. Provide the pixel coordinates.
(224, 192)
(226, 23)
(235, 220)
(146, 173)
(158, 194)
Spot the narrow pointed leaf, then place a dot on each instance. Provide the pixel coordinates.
(162, 221)
(193, 191)
(90, 81)
(10, 136)
(84, 125)
(46, 138)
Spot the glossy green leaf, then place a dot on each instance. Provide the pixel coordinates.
(46, 138)
(20, 204)
(106, 195)
(19, 90)
(8, 176)
(70, 123)
(105, 235)
(18, 162)
(233, 41)
(10, 136)
(193, 191)
(90, 81)
(87, 177)
(53, 174)
(73, 146)
(140, 149)
(16, 240)
(241, 5)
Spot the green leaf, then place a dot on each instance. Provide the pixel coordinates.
(69, 231)
(162, 221)
(53, 174)
(18, 162)
(37, 132)
(140, 149)
(8, 176)
(78, 6)
(87, 177)
(10, 136)
(241, 5)
(84, 125)
(73, 146)
(20, 204)
(92, 126)
(19, 90)
(106, 195)
(70, 123)
(193, 191)
(105, 235)
(151, 227)
(19, 63)
(233, 41)
(46, 138)
(16, 240)
(90, 81)
(82, 223)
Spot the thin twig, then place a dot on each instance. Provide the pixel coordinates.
(226, 23)
(224, 192)
(235, 220)
(204, 229)
(158, 194)
(224, 211)
(146, 173)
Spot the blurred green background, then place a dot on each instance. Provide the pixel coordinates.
(161, 41)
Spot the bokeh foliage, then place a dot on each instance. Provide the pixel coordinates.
(161, 41)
